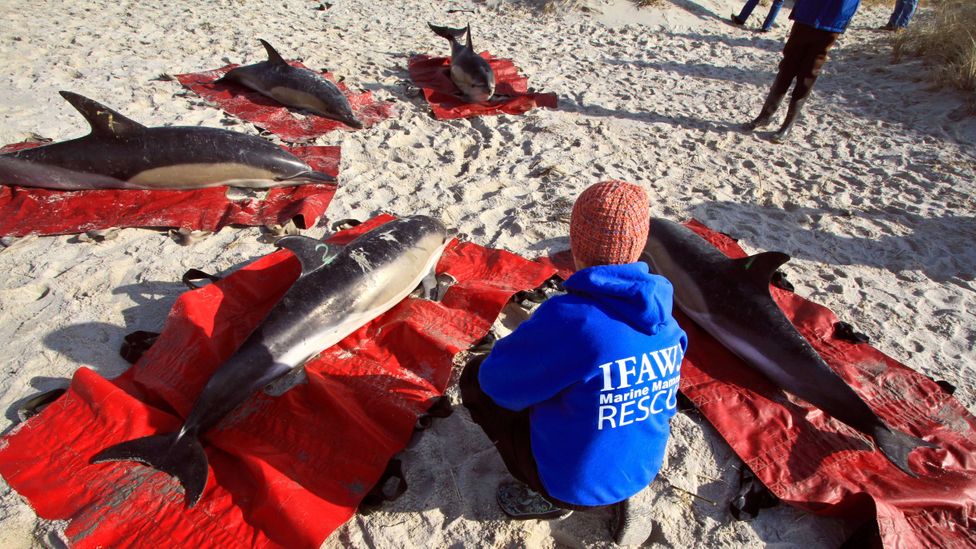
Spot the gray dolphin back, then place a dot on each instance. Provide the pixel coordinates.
(340, 290)
(121, 153)
(295, 87)
(730, 299)
(471, 74)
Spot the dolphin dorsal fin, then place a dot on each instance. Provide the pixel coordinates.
(274, 57)
(760, 267)
(103, 120)
(313, 253)
(469, 37)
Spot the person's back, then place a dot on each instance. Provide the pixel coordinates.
(578, 398)
(826, 15)
(598, 371)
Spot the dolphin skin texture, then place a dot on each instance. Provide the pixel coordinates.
(469, 71)
(339, 290)
(730, 299)
(120, 153)
(295, 87)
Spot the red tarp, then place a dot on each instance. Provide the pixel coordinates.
(284, 471)
(432, 74)
(818, 464)
(288, 124)
(25, 211)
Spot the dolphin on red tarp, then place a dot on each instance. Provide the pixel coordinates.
(121, 153)
(469, 71)
(730, 299)
(339, 291)
(294, 87)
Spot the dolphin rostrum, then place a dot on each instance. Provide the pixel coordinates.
(338, 291)
(120, 153)
(730, 299)
(469, 71)
(295, 87)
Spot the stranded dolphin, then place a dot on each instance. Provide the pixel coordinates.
(730, 299)
(120, 153)
(469, 71)
(295, 87)
(338, 291)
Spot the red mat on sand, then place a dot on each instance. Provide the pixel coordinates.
(289, 124)
(818, 464)
(284, 471)
(432, 74)
(26, 211)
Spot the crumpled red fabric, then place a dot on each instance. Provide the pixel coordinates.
(288, 124)
(432, 74)
(284, 471)
(814, 462)
(25, 211)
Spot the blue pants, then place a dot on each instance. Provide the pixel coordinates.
(770, 17)
(904, 10)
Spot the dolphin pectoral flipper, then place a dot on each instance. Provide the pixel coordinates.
(287, 382)
(896, 446)
(181, 457)
(760, 267)
(313, 253)
(274, 57)
(103, 120)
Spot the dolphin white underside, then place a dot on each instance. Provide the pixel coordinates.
(352, 321)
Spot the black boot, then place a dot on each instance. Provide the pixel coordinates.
(784, 131)
(772, 103)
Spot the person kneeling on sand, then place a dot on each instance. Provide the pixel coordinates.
(578, 398)
(816, 26)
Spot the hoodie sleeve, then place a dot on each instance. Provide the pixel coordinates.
(544, 355)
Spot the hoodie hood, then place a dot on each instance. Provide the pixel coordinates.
(629, 292)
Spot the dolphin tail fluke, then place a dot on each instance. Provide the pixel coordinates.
(181, 457)
(896, 446)
(453, 35)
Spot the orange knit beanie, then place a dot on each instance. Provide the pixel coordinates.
(609, 224)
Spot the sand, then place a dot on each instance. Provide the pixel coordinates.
(873, 198)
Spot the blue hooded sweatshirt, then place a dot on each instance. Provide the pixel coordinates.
(598, 369)
(826, 15)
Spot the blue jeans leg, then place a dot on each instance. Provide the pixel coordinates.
(747, 9)
(773, 12)
(904, 10)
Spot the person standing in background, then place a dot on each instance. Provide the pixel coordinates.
(751, 5)
(816, 26)
(904, 10)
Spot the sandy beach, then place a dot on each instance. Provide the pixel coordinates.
(873, 197)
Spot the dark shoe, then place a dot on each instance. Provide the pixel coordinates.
(888, 27)
(783, 133)
(737, 21)
(772, 103)
(521, 502)
(632, 523)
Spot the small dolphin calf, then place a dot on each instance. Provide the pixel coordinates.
(338, 291)
(295, 87)
(120, 153)
(469, 71)
(730, 299)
